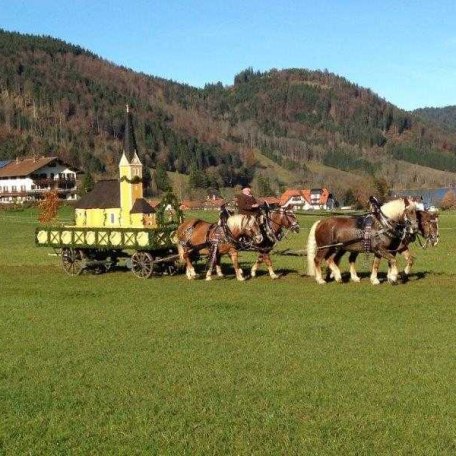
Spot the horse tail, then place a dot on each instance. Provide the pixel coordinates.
(312, 249)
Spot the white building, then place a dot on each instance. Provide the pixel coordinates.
(29, 179)
(305, 199)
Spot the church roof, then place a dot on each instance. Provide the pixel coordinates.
(135, 160)
(141, 206)
(105, 195)
(123, 160)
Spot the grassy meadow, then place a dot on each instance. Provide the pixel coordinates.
(112, 364)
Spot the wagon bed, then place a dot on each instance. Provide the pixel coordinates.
(147, 250)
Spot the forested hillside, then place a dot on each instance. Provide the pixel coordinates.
(60, 99)
(446, 117)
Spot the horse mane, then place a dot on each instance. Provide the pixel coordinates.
(239, 222)
(396, 208)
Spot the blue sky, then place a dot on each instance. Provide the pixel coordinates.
(405, 51)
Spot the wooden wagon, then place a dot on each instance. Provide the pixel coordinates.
(147, 251)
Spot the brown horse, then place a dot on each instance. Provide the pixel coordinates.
(276, 221)
(428, 228)
(200, 237)
(369, 233)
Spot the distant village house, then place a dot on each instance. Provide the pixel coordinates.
(306, 199)
(29, 179)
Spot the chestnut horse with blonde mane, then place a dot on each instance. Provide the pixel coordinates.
(367, 233)
(197, 237)
(428, 228)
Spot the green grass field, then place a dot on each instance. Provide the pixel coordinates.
(112, 364)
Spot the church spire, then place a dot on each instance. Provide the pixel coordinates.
(130, 148)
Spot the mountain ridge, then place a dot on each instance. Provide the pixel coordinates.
(62, 99)
(445, 116)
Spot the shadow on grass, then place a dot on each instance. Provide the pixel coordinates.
(283, 272)
(382, 276)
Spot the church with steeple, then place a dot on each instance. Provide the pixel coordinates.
(118, 202)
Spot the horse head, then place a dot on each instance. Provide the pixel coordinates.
(287, 219)
(428, 225)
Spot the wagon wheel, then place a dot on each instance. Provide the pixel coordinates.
(72, 261)
(142, 264)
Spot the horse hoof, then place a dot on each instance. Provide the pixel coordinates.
(375, 282)
(355, 279)
(321, 282)
(274, 276)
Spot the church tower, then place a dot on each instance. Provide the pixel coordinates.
(130, 171)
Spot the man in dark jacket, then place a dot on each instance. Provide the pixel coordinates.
(246, 202)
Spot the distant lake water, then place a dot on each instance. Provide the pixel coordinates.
(431, 196)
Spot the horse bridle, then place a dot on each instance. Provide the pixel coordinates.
(428, 238)
(293, 227)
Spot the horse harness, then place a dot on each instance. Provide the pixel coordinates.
(215, 234)
(221, 233)
(396, 231)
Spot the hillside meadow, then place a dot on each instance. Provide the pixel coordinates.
(112, 364)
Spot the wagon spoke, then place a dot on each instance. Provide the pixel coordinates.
(142, 264)
(72, 261)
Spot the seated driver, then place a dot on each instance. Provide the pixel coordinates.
(246, 202)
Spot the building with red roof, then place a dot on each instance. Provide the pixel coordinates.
(305, 199)
(30, 178)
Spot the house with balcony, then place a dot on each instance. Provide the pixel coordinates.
(30, 178)
(306, 199)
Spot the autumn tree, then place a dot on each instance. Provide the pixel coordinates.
(362, 190)
(382, 187)
(48, 207)
(448, 201)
